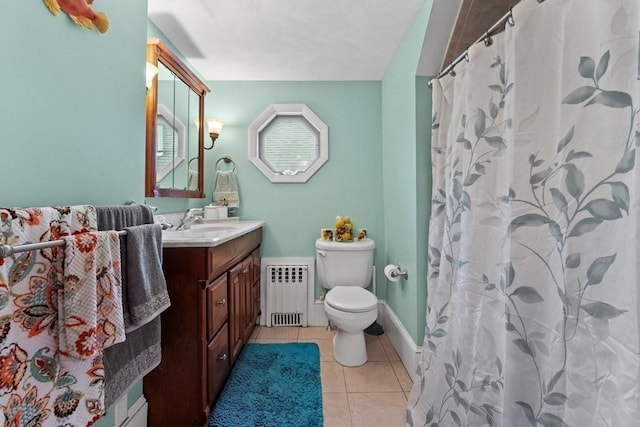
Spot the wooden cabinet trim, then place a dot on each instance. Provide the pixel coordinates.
(222, 258)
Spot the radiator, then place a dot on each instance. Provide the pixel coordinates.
(287, 287)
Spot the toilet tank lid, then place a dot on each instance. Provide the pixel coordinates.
(351, 246)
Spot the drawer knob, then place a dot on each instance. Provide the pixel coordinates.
(223, 356)
(223, 301)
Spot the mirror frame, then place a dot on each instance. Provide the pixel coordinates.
(159, 52)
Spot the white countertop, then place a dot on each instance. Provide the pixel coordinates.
(208, 233)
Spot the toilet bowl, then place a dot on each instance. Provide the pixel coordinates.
(351, 309)
(345, 270)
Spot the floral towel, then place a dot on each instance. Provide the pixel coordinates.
(40, 386)
(91, 304)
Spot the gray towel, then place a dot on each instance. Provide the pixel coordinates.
(147, 294)
(126, 363)
(119, 217)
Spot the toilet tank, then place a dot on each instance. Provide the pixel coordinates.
(344, 264)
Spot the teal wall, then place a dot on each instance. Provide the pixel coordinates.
(72, 106)
(349, 183)
(72, 120)
(406, 177)
(72, 109)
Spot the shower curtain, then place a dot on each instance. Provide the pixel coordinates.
(533, 279)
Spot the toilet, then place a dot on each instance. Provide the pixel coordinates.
(345, 270)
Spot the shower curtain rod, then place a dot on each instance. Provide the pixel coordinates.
(8, 250)
(508, 17)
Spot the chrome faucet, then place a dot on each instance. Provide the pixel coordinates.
(189, 218)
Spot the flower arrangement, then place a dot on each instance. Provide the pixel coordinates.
(343, 229)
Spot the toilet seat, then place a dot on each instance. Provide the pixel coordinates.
(352, 299)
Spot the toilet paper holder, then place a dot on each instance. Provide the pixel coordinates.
(398, 272)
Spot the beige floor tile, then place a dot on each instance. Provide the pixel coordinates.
(332, 375)
(326, 348)
(377, 376)
(385, 340)
(279, 332)
(391, 352)
(273, 340)
(346, 392)
(378, 409)
(403, 377)
(254, 334)
(335, 409)
(370, 338)
(375, 352)
(315, 332)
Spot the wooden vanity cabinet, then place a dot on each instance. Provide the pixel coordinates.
(205, 328)
(245, 308)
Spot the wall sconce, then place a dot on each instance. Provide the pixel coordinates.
(151, 73)
(215, 127)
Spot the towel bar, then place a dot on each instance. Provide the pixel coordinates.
(8, 250)
(227, 159)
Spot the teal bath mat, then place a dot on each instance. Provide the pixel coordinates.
(272, 385)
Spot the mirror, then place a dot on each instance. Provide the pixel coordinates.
(174, 139)
(288, 143)
(170, 139)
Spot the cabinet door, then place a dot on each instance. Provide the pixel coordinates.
(256, 300)
(255, 255)
(256, 283)
(218, 363)
(236, 296)
(247, 315)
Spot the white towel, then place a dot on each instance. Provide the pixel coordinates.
(193, 180)
(225, 189)
(90, 305)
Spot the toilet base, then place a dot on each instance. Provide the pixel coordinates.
(350, 348)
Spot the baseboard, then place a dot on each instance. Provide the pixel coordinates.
(137, 414)
(402, 342)
(316, 315)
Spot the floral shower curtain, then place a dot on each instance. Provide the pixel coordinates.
(534, 247)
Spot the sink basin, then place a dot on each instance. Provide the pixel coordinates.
(208, 234)
(198, 231)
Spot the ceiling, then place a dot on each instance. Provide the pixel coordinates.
(315, 40)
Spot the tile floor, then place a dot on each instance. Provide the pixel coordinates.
(372, 395)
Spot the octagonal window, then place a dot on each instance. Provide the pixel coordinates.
(288, 143)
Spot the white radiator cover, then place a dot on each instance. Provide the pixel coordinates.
(287, 283)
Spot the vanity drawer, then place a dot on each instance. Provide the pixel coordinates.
(217, 305)
(218, 362)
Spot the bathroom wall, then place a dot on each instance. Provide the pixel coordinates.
(349, 183)
(72, 109)
(406, 176)
(72, 120)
